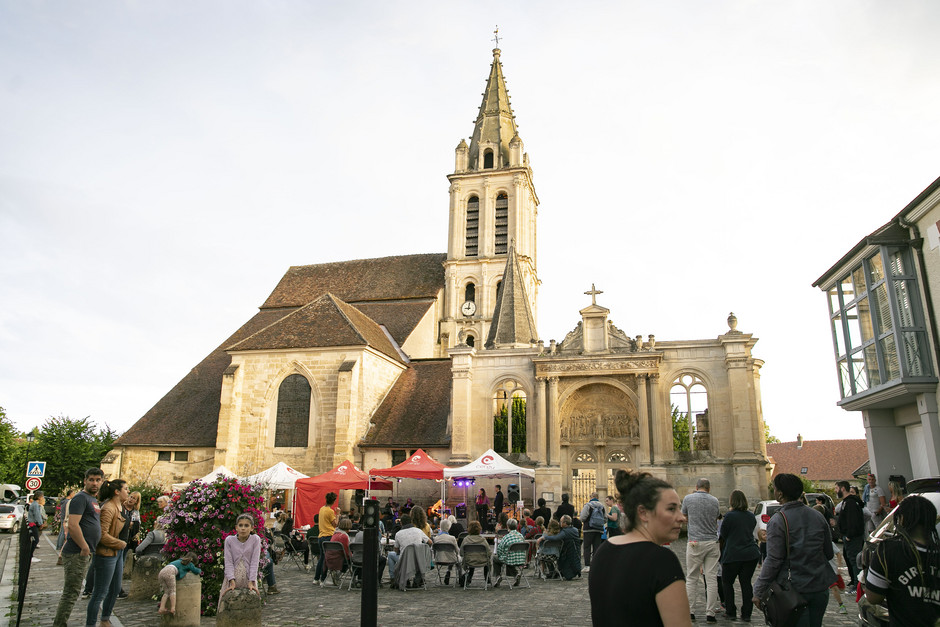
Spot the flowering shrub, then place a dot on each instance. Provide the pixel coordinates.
(200, 517)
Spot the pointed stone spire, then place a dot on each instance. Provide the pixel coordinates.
(495, 124)
(513, 323)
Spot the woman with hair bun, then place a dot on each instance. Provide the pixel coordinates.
(633, 576)
(109, 565)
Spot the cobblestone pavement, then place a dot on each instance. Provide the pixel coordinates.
(302, 603)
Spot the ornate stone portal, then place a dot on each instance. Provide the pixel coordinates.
(599, 413)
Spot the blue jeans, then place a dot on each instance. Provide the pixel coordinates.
(813, 615)
(320, 574)
(109, 570)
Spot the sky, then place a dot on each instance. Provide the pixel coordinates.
(162, 164)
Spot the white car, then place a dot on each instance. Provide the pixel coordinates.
(11, 517)
(763, 511)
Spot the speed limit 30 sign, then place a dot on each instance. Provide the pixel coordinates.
(33, 483)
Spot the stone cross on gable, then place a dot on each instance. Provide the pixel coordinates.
(593, 292)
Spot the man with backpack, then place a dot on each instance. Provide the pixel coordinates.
(594, 517)
(850, 523)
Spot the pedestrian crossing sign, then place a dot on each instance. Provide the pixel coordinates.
(35, 469)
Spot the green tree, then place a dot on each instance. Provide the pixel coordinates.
(69, 446)
(768, 438)
(9, 450)
(501, 427)
(680, 430)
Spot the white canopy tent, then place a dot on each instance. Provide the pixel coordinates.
(219, 470)
(490, 464)
(280, 476)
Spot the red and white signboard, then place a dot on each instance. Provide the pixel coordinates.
(33, 484)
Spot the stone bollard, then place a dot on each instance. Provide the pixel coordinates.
(188, 599)
(129, 559)
(240, 608)
(145, 583)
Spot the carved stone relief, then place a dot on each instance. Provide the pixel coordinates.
(599, 412)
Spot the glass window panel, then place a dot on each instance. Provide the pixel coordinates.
(889, 352)
(834, 300)
(914, 357)
(859, 373)
(858, 278)
(882, 309)
(848, 291)
(896, 263)
(871, 362)
(902, 292)
(876, 269)
(864, 320)
(839, 334)
(855, 332)
(845, 378)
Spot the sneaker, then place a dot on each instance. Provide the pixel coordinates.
(842, 609)
(711, 619)
(122, 595)
(273, 590)
(586, 569)
(693, 616)
(321, 583)
(35, 560)
(86, 594)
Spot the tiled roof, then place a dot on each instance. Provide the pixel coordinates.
(384, 278)
(399, 317)
(414, 413)
(325, 322)
(189, 413)
(824, 460)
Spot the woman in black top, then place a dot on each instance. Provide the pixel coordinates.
(739, 555)
(634, 580)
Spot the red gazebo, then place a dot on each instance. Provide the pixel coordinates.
(311, 492)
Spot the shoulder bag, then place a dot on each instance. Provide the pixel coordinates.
(782, 604)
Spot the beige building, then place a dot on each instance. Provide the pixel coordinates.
(370, 359)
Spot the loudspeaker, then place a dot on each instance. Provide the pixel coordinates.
(513, 494)
(462, 510)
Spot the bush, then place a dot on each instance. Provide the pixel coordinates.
(200, 517)
(149, 512)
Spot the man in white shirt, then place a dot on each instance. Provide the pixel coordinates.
(702, 552)
(406, 536)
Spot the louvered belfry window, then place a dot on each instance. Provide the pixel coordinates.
(473, 226)
(293, 412)
(502, 224)
(878, 329)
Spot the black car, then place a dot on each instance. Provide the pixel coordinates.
(877, 615)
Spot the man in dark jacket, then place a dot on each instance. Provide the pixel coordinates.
(565, 509)
(542, 511)
(498, 502)
(569, 562)
(850, 523)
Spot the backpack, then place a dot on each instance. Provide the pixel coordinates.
(597, 519)
(851, 519)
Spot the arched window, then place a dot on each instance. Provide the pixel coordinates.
(470, 341)
(689, 399)
(502, 224)
(470, 293)
(293, 412)
(473, 225)
(499, 287)
(488, 159)
(509, 428)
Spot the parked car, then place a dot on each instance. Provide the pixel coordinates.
(763, 511)
(12, 517)
(830, 506)
(51, 502)
(877, 615)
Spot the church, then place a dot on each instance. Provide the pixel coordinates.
(371, 359)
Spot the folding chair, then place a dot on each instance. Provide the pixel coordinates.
(421, 555)
(278, 547)
(355, 563)
(338, 547)
(519, 548)
(547, 562)
(461, 537)
(476, 556)
(293, 555)
(446, 557)
(501, 532)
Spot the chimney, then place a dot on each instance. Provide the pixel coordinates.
(799, 441)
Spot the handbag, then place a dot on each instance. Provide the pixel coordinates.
(782, 604)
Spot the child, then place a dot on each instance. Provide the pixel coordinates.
(173, 571)
(242, 555)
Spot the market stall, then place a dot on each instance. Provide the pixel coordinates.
(310, 493)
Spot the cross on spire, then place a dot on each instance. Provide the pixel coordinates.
(593, 292)
(496, 36)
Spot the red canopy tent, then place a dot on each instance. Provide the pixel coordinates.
(418, 466)
(311, 492)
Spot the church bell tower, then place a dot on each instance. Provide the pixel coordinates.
(493, 209)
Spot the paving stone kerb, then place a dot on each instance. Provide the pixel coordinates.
(302, 603)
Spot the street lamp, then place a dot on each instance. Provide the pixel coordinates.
(29, 441)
